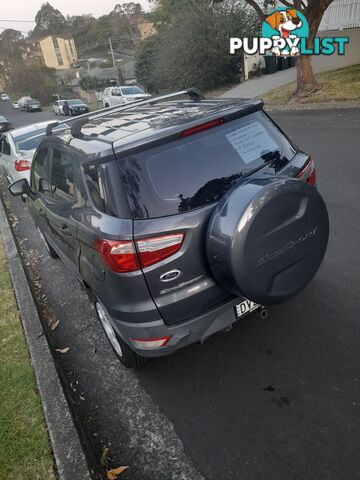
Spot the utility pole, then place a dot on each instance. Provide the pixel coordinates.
(114, 63)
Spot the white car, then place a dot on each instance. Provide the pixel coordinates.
(5, 97)
(17, 149)
(113, 96)
(15, 105)
(23, 101)
(58, 107)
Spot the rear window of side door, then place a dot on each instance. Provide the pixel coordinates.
(39, 183)
(63, 210)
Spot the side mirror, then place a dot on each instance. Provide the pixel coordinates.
(21, 187)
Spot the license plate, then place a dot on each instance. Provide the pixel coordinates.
(245, 307)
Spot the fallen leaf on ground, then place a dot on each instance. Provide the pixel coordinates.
(104, 456)
(62, 350)
(55, 325)
(113, 474)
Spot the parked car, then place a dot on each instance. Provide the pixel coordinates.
(23, 101)
(5, 97)
(74, 107)
(32, 106)
(178, 217)
(58, 107)
(16, 105)
(5, 125)
(113, 96)
(17, 149)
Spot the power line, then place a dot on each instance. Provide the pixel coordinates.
(17, 21)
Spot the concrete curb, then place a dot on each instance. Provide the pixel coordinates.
(313, 106)
(69, 456)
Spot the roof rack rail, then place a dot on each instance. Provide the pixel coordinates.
(192, 92)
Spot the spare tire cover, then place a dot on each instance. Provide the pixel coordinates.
(267, 238)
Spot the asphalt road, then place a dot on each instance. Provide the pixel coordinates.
(270, 400)
(19, 118)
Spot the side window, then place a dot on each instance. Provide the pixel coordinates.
(95, 185)
(62, 176)
(40, 170)
(5, 146)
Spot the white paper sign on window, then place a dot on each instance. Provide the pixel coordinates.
(252, 141)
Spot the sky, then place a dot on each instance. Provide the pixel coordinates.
(16, 10)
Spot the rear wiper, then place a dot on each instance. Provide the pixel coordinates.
(270, 157)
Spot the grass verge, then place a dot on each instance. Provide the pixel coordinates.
(342, 85)
(24, 445)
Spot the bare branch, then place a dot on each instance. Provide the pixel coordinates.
(257, 7)
(286, 3)
(298, 4)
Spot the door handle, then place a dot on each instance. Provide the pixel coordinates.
(64, 227)
(41, 212)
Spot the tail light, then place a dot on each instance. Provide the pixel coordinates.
(153, 250)
(150, 342)
(21, 165)
(127, 256)
(308, 173)
(119, 256)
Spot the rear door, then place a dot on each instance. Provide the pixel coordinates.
(173, 189)
(63, 210)
(39, 182)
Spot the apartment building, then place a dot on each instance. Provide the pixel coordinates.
(58, 52)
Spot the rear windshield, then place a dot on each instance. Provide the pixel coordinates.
(132, 91)
(75, 102)
(195, 171)
(35, 138)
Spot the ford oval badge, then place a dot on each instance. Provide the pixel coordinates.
(169, 276)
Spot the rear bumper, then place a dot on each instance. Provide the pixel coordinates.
(194, 330)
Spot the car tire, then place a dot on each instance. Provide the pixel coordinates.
(127, 357)
(48, 247)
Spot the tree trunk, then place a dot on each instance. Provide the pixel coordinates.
(306, 81)
(314, 12)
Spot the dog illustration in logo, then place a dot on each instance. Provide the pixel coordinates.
(285, 22)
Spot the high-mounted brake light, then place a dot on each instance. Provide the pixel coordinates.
(150, 342)
(123, 256)
(308, 173)
(21, 165)
(201, 128)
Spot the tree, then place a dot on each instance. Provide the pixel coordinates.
(82, 28)
(87, 82)
(49, 21)
(35, 80)
(192, 50)
(313, 11)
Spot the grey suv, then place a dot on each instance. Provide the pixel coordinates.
(179, 216)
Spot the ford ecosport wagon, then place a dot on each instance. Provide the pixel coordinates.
(178, 215)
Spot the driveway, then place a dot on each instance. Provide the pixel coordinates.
(270, 400)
